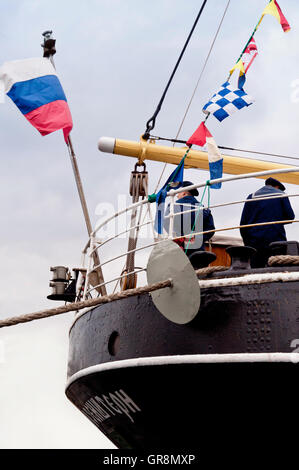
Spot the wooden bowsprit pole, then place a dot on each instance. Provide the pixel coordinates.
(49, 51)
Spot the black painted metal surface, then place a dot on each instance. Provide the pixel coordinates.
(192, 406)
(235, 319)
(175, 400)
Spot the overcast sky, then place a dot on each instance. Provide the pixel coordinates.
(114, 58)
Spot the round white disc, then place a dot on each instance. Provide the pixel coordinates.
(180, 303)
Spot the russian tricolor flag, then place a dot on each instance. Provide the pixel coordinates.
(34, 87)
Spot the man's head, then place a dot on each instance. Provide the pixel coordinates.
(275, 184)
(182, 194)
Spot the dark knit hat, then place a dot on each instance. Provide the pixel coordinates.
(274, 182)
(193, 192)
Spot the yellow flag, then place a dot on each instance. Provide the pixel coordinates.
(274, 9)
(239, 65)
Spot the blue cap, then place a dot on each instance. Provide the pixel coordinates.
(193, 192)
(273, 182)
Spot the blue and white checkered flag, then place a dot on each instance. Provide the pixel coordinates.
(227, 101)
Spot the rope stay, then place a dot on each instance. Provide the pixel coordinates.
(152, 121)
(203, 69)
(74, 306)
(193, 94)
(256, 152)
(283, 260)
(279, 260)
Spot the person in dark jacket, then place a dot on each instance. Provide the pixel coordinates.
(265, 211)
(194, 221)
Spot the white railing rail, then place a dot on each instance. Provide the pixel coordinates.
(95, 244)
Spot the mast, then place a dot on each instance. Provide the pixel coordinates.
(49, 51)
(148, 150)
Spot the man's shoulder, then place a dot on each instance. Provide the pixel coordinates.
(266, 191)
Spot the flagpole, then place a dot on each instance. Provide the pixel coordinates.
(49, 51)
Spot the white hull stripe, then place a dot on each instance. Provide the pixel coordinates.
(187, 359)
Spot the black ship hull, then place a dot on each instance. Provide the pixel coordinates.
(146, 382)
(185, 404)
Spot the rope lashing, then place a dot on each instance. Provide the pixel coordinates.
(142, 155)
(152, 197)
(179, 141)
(210, 270)
(84, 304)
(283, 260)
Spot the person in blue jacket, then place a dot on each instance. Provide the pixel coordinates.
(265, 211)
(186, 223)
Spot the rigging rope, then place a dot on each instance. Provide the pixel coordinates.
(75, 306)
(152, 121)
(84, 304)
(210, 270)
(256, 152)
(283, 260)
(203, 69)
(195, 89)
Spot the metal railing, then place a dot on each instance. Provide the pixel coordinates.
(94, 243)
